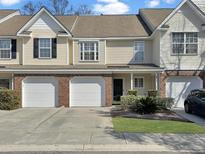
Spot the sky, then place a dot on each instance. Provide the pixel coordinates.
(104, 6)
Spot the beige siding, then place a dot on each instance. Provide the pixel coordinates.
(18, 55)
(122, 52)
(76, 54)
(149, 82)
(183, 21)
(156, 49)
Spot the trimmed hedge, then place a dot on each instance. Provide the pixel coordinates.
(132, 92)
(9, 99)
(145, 105)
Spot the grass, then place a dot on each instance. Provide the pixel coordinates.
(131, 125)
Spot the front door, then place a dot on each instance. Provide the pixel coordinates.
(118, 89)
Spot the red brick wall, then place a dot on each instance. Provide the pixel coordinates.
(166, 74)
(63, 91)
(108, 90)
(63, 87)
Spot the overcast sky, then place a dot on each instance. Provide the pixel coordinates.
(105, 6)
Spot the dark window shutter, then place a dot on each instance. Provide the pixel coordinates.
(54, 48)
(35, 47)
(13, 48)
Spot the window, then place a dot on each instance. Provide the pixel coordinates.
(139, 82)
(4, 83)
(89, 51)
(5, 49)
(139, 51)
(45, 47)
(185, 43)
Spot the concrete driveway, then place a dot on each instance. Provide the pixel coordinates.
(57, 126)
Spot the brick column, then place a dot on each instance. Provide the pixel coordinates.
(18, 85)
(108, 90)
(63, 90)
(162, 82)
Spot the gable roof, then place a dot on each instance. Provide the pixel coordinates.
(110, 26)
(154, 17)
(11, 26)
(36, 16)
(4, 13)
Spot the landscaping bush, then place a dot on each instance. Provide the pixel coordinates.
(145, 105)
(126, 101)
(132, 92)
(152, 93)
(165, 103)
(9, 99)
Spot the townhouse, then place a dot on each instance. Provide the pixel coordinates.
(82, 61)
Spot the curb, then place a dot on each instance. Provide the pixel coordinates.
(93, 148)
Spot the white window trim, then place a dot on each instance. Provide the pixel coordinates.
(7, 49)
(139, 77)
(184, 53)
(82, 60)
(136, 52)
(39, 49)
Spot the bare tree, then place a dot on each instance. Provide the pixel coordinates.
(83, 10)
(59, 7)
(29, 8)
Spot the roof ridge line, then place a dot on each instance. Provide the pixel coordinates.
(73, 26)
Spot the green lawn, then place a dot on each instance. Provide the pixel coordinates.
(131, 125)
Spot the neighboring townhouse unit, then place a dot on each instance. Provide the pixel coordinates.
(77, 61)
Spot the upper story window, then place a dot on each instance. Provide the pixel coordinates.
(45, 47)
(139, 51)
(139, 82)
(89, 51)
(5, 49)
(185, 43)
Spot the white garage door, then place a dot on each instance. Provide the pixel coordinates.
(179, 88)
(87, 92)
(39, 92)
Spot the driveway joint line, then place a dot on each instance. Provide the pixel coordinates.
(49, 117)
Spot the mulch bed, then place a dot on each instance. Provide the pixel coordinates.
(161, 115)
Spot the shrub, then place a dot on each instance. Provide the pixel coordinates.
(145, 105)
(126, 101)
(132, 92)
(9, 99)
(165, 103)
(152, 93)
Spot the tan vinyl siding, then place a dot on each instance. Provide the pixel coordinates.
(62, 47)
(149, 82)
(18, 55)
(185, 20)
(122, 52)
(101, 53)
(156, 49)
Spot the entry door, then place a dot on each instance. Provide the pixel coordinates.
(118, 89)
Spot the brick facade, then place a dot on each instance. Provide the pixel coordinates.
(64, 87)
(164, 76)
(108, 90)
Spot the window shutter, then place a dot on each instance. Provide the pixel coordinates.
(13, 48)
(35, 47)
(54, 48)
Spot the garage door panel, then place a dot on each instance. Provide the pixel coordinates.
(179, 88)
(87, 91)
(39, 92)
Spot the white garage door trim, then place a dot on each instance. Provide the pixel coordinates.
(93, 88)
(180, 86)
(45, 87)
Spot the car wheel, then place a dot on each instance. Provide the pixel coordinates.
(187, 108)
